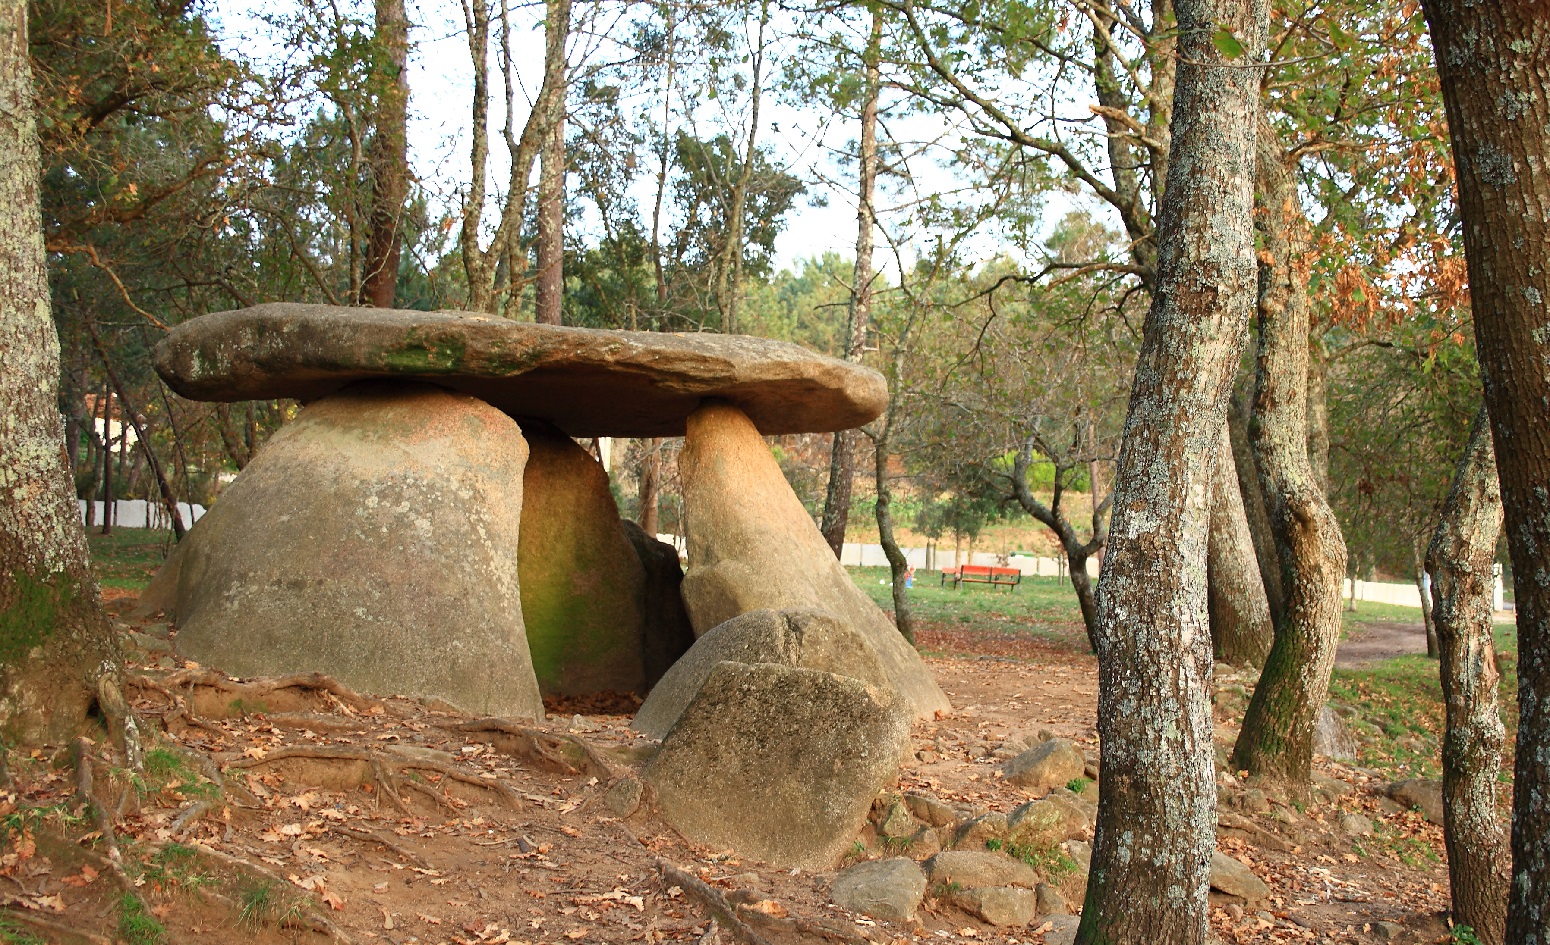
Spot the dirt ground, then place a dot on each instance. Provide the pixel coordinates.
(1381, 641)
(347, 818)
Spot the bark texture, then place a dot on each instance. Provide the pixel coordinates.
(1460, 559)
(1277, 735)
(1156, 827)
(549, 290)
(1240, 612)
(1494, 61)
(54, 637)
(1253, 496)
(388, 158)
(842, 459)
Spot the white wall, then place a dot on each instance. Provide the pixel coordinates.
(138, 513)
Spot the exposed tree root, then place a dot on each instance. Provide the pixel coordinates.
(712, 902)
(54, 932)
(81, 756)
(387, 773)
(211, 694)
(293, 907)
(564, 754)
(371, 836)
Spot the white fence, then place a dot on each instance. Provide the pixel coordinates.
(138, 513)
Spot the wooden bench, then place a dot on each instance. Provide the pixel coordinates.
(982, 574)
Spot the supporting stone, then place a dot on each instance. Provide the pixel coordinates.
(752, 546)
(374, 538)
(667, 631)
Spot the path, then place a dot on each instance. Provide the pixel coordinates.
(1381, 640)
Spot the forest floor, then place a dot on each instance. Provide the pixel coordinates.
(295, 811)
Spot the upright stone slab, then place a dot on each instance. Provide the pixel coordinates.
(752, 546)
(667, 633)
(582, 582)
(374, 538)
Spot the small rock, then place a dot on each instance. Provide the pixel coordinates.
(1390, 806)
(1048, 821)
(898, 822)
(1081, 854)
(1388, 931)
(1426, 795)
(974, 870)
(927, 841)
(1355, 825)
(623, 796)
(1255, 801)
(930, 810)
(1049, 764)
(1050, 900)
(1333, 787)
(1234, 912)
(972, 834)
(1332, 739)
(1006, 906)
(1235, 879)
(927, 757)
(1062, 929)
(883, 889)
(581, 723)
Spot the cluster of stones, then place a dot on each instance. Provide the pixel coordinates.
(429, 526)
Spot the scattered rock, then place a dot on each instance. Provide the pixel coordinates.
(1355, 825)
(1388, 931)
(588, 382)
(973, 869)
(925, 842)
(1418, 793)
(890, 889)
(666, 633)
(1005, 906)
(1047, 821)
(930, 810)
(1235, 879)
(1331, 787)
(623, 796)
(972, 834)
(753, 546)
(1080, 853)
(374, 538)
(796, 638)
(1062, 929)
(1331, 738)
(1233, 825)
(1050, 900)
(1046, 765)
(898, 822)
(778, 763)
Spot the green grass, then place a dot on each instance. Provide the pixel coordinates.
(13, 933)
(135, 925)
(127, 558)
(1039, 606)
(1051, 862)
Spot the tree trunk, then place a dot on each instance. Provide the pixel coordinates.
(1156, 827)
(54, 636)
(1428, 620)
(1253, 498)
(1052, 517)
(168, 498)
(1239, 611)
(729, 281)
(387, 158)
(1461, 559)
(549, 291)
(898, 565)
(1494, 59)
(842, 456)
(109, 506)
(1277, 735)
(650, 486)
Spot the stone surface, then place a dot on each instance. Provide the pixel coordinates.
(1426, 795)
(1235, 879)
(373, 538)
(803, 639)
(1062, 929)
(974, 833)
(777, 763)
(582, 582)
(588, 382)
(1355, 825)
(665, 628)
(752, 546)
(972, 869)
(897, 821)
(1048, 764)
(1045, 822)
(930, 810)
(1005, 906)
(1331, 738)
(890, 889)
(1051, 902)
(623, 797)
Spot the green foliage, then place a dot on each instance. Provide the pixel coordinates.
(13, 933)
(1051, 862)
(1463, 935)
(1078, 785)
(137, 926)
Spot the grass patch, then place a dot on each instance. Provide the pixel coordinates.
(168, 770)
(1051, 862)
(1040, 607)
(135, 925)
(129, 557)
(13, 933)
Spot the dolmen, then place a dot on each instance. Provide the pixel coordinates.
(427, 524)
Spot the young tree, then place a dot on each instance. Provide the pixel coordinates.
(1156, 827)
(1493, 60)
(54, 636)
(387, 157)
(1461, 560)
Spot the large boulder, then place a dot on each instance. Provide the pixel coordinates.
(665, 628)
(582, 582)
(804, 639)
(587, 381)
(753, 546)
(373, 538)
(777, 763)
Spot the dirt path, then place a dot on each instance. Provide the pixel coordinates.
(1381, 640)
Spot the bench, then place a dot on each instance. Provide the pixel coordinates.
(982, 574)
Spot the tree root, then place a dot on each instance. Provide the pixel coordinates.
(53, 931)
(81, 756)
(712, 901)
(190, 816)
(563, 754)
(253, 691)
(371, 836)
(297, 910)
(387, 771)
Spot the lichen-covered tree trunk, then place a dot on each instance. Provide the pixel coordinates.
(388, 158)
(1157, 807)
(1276, 740)
(1239, 609)
(54, 636)
(1238, 415)
(842, 459)
(549, 288)
(1494, 61)
(1460, 559)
